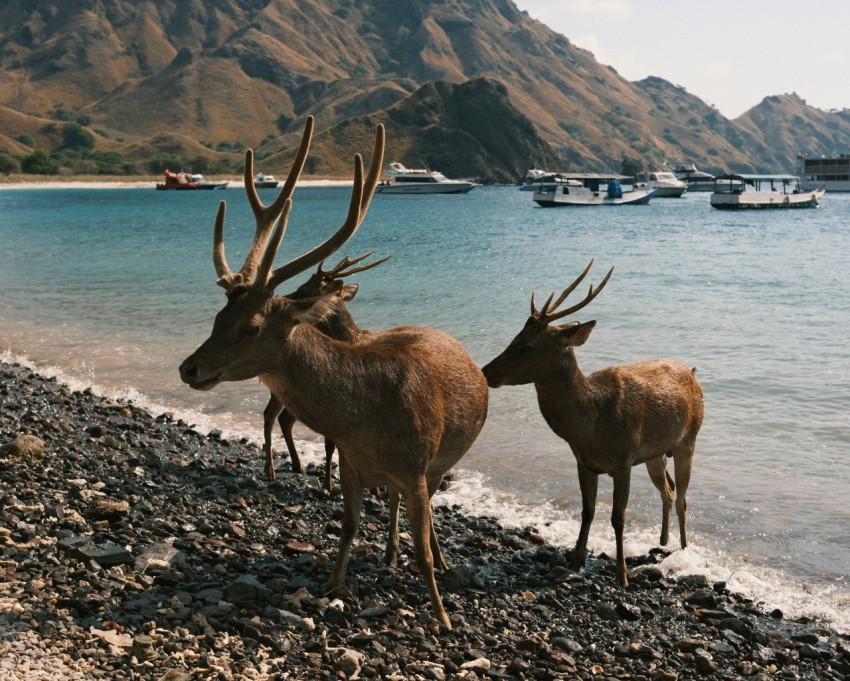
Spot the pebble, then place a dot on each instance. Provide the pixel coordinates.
(134, 547)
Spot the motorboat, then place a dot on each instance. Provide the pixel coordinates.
(668, 185)
(755, 192)
(404, 180)
(265, 181)
(593, 189)
(187, 181)
(696, 180)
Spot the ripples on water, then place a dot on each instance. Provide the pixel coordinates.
(115, 287)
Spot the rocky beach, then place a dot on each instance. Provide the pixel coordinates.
(133, 546)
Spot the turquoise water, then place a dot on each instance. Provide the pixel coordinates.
(113, 288)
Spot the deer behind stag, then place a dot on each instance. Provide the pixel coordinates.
(613, 419)
(402, 406)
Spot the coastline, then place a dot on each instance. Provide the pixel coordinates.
(135, 545)
(112, 182)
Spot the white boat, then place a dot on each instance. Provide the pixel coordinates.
(593, 189)
(668, 185)
(547, 181)
(818, 172)
(696, 180)
(265, 181)
(420, 181)
(756, 192)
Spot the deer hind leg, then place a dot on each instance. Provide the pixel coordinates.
(588, 482)
(391, 555)
(657, 469)
(270, 413)
(419, 515)
(439, 561)
(329, 453)
(287, 420)
(683, 458)
(352, 501)
(622, 481)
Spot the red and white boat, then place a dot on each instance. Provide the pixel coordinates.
(183, 180)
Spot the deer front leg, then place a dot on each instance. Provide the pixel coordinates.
(352, 500)
(588, 482)
(287, 420)
(657, 469)
(391, 555)
(329, 452)
(683, 458)
(622, 480)
(419, 515)
(270, 413)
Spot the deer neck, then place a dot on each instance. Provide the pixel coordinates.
(565, 396)
(341, 326)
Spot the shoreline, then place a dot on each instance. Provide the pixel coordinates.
(216, 571)
(112, 182)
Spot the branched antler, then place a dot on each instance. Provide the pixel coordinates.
(547, 314)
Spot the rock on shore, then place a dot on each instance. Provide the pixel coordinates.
(134, 547)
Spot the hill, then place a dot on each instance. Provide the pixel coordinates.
(223, 75)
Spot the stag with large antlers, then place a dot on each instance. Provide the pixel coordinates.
(338, 324)
(616, 418)
(402, 406)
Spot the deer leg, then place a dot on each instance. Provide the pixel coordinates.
(683, 458)
(329, 452)
(419, 515)
(270, 413)
(391, 555)
(588, 482)
(287, 420)
(622, 480)
(439, 561)
(352, 500)
(657, 469)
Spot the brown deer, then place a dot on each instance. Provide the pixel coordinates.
(402, 407)
(616, 418)
(340, 325)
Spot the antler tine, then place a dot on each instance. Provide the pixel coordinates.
(267, 216)
(274, 243)
(571, 287)
(360, 196)
(591, 294)
(342, 272)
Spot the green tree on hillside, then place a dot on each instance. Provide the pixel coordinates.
(76, 137)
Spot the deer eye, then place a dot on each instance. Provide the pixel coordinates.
(251, 330)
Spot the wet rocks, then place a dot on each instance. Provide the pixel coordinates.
(141, 548)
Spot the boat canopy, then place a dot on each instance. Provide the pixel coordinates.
(602, 177)
(752, 179)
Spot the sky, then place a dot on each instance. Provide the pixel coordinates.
(729, 53)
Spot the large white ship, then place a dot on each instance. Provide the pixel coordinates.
(819, 172)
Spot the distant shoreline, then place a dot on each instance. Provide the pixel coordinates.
(120, 182)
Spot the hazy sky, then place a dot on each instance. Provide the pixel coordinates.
(729, 53)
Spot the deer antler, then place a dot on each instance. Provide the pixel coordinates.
(266, 216)
(339, 271)
(547, 314)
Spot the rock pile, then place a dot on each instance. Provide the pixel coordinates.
(134, 547)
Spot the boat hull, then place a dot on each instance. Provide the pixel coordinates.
(637, 197)
(186, 187)
(669, 192)
(766, 200)
(425, 188)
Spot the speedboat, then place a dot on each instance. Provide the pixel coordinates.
(747, 192)
(183, 180)
(696, 180)
(420, 181)
(593, 189)
(265, 181)
(668, 185)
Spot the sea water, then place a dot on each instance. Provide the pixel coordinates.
(113, 288)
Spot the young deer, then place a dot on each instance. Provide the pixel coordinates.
(614, 419)
(340, 325)
(402, 406)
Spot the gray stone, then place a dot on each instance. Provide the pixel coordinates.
(24, 447)
(246, 588)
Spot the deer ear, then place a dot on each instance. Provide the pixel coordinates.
(313, 310)
(576, 333)
(349, 291)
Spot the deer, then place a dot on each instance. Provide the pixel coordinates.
(339, 325)
(613, 419)
(402, 407)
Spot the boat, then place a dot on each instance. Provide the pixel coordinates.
(819, 172)
(668, 185)
(183, 180)
(756, 192)
(420, 181)
(547, 181)
(265, 181)
(696, 180)
(593, 189)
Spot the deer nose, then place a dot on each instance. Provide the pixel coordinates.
(188, 372)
